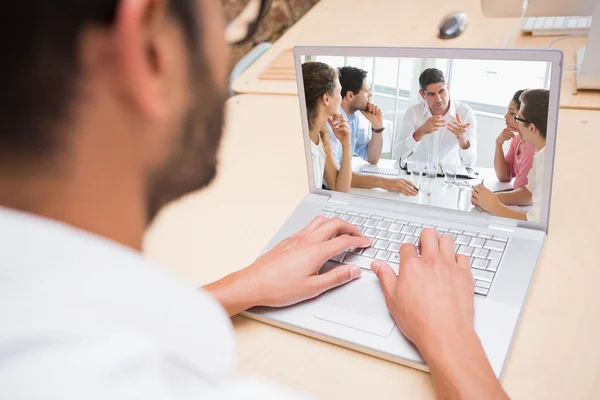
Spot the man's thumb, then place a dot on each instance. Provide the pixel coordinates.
(385, 274)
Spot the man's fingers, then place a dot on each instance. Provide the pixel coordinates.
(386, 276)
(458, 118)
(447, 247)
(312, 225)
(429, 243)
(341, 243)
(407, 251)
(334, 227)
(334, 278)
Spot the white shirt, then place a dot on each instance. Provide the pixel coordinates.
(85, 318)
(318, 158)
(534, 185)
(441, 143)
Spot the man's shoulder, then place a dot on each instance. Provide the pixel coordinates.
(462, 107)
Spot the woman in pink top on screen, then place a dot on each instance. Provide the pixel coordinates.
(519, 158)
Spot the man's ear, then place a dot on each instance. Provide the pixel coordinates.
(139, 30)
(422, 94)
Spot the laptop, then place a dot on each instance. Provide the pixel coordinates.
(503, 252)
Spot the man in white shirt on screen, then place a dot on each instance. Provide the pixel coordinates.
(109, 111)
(439, 126)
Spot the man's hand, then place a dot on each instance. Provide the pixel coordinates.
(374, 115)
(460, 131)
(505, 136)
(431, 125)
(485, 198)
(340, 128)
(288, 273)
(399, 185)
(432, 297)
(431, 300)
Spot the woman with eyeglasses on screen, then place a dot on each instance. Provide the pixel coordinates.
(322, 90)
(518, 160)
(532, 122)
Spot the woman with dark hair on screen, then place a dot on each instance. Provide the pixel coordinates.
(322, 91)
(519, 158)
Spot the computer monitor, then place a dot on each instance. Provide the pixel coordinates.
(588, 58)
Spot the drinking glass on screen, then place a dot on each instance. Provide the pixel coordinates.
(450, 173)
(415, 169)
(432, 167)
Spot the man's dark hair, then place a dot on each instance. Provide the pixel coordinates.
(351, 79)
(39, 72)
(429, 76)
(535, 104)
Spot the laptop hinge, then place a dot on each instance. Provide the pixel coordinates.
(337, 201)
(501, 228)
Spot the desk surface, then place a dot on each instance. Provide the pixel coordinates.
(262, 177)
(401, 23)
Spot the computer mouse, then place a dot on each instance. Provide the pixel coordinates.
(453, 25)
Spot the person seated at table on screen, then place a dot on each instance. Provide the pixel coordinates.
(532, 122)
(322, 92)
(439, 125)
(518, 160)
(357, 100)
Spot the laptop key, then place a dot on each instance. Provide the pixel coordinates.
(394, 247)
(338, 257)
(415, 224)
(494, 245)
(401, 222)
(463, 239)
(377, 217)
(382, 225)
(466, 250)
(410, 239)
(485, 235)
(480, 253)
(370, 223)
(346, 217)
(427, 226)
(457, 231)
(418, 232)
(335, 215)
(381, 244)
(494, 264)
(324, 213)
(481, 291)
(480, 275)
(477, 242)
(383, 255)
(388, 219)
(371, 232)
(395, 228)
(480, 263)
(483, 284)
(442, 229)
(352, 212)
(383, 235)
(396, 237)
(501, 238)
(328, 208)
(469, 233)
(408, 230)
(395, 257)
(356, 250)
(358, 220)
(361, 261)
(366, 215)
(369, 252)
(341, 210)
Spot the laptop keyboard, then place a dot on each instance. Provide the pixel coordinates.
(485, 250)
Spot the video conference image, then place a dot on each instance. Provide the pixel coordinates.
(461, 134)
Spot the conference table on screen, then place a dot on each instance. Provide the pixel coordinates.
(443, 194)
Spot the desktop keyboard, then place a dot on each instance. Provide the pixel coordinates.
(556, 26)
(484, 249)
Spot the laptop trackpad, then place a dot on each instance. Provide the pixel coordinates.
(359, 305)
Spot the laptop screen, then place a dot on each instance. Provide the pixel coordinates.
(455, 133)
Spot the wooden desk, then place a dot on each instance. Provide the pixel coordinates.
(399, 23)
(262, 177)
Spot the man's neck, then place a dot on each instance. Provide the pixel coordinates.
(100, 206)
(348, 109)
